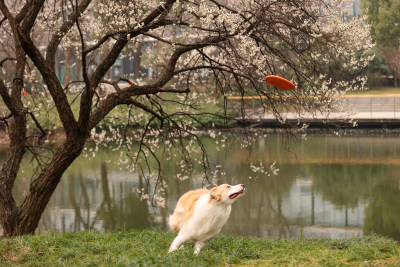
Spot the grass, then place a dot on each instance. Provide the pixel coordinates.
(49, 119)
(377, 91)
(149, 248)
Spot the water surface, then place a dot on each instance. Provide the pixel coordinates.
(327, 186)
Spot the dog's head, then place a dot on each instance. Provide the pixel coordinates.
(226, 193)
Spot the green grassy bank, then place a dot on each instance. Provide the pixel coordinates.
(377, 91)
(149, 248)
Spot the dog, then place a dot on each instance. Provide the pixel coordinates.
(200, 214)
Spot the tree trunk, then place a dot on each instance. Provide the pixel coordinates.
(24, 220)
(9, 211)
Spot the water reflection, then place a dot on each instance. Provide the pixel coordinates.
(326, 187)
(95, 202)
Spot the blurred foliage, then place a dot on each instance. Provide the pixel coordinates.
(384, 18)
(377, 70)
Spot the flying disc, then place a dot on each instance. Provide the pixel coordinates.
(279, 82)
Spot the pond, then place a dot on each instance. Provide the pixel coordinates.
(326, 186)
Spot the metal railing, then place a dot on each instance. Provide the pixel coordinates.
(377, 107)
(361, 106)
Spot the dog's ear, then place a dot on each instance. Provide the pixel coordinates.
(214, 194)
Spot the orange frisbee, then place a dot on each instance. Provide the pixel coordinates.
(279, 82)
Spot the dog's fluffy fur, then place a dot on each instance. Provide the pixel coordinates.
(200, 214)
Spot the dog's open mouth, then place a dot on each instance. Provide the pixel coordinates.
(232, 196)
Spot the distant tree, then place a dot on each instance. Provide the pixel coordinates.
(232, 44)
(377, 69)
(384, 17)
(393, 60)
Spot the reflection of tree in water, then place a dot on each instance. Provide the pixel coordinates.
(382, 216)
(116, 213)
(127, 213)
(79, 218)
(345, 185)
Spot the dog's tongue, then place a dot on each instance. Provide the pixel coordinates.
(233, 195)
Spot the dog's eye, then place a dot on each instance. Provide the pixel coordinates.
(228, 186)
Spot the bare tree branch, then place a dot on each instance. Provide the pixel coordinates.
(6, 97)
(2, 20)
(29, 14)
(53, 85)
(63, 30)
(5, 59)
(38, 125)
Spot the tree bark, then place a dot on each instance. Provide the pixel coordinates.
(9, 211)
(24, 220)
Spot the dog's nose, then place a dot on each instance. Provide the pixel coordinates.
(243, 185)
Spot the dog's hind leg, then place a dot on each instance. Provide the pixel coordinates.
(177, 243)
(198, 246)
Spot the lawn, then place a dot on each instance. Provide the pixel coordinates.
(377, 91)
(149, 248)
(201, 109)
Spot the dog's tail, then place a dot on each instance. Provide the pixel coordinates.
(175, 221)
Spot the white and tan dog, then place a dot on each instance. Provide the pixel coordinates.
(200, 214)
